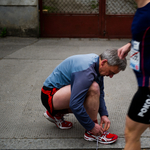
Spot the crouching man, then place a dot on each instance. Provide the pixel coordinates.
(76, 86)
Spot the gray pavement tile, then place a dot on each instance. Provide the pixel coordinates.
(24, 68)
(12, 44)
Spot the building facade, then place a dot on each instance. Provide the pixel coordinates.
(19, 17)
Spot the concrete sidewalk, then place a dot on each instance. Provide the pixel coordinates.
(25, 63)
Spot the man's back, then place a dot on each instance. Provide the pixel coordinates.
(61, 75)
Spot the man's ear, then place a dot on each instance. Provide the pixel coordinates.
(103, 62)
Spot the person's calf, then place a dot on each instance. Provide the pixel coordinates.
(132, 140)
(132, 143)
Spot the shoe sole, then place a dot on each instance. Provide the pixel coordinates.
(48, 118)
(92, 139)
(53, 121)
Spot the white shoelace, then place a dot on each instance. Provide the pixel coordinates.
(97, 138)
(97, 142)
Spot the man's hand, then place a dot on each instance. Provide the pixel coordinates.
(97, 130)
(123, 51)
(106, 122)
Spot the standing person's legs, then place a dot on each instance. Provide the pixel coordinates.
(138, 118)
(133, 132)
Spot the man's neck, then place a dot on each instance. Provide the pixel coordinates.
(142, 3)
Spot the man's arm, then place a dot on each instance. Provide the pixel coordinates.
(124, 50)
(102, 108)
(80, 83)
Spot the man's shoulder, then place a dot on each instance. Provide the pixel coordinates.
(83, 62)
(77, 63)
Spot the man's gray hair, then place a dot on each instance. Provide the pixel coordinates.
(113, 59)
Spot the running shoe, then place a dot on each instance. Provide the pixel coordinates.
(58, 119)
(105, 138)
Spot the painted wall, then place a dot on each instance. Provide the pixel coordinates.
(19, 17)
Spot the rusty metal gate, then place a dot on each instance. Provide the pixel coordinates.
(86, 18)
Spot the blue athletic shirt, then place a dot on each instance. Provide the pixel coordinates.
(140, 49)
(79, 71)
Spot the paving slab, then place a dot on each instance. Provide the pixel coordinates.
(10, 45)
(23, 69)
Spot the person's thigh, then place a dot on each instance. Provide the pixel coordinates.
(135, 129)
(138, 117)
(61, 98)
(133, 132)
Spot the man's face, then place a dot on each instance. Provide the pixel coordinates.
(107, 70)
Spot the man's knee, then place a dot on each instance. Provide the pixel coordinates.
(94, 89)
(92, 97)
(127, 133)
(130, 136)
(132, 133)
(91, 102)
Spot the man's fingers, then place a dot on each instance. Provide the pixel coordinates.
(101, 131)
(120, 53)
(101, 124)
(119, 50)
(106, 126)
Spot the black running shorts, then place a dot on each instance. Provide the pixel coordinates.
(139, 109)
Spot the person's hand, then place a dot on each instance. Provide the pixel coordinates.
(97, 130)
(106, 122)
(123, 51)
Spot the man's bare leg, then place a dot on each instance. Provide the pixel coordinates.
(133, 132)
(61, 98)
(91, 103)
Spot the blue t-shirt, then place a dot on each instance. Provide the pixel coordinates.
(140, 50)
(79, 71)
